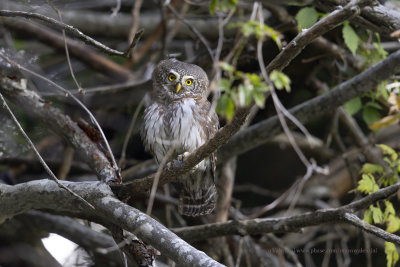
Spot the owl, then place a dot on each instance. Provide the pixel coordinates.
(179, 120)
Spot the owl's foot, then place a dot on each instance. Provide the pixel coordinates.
(178, 162)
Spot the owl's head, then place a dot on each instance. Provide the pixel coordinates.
(174, 79)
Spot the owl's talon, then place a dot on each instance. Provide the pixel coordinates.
(169, 165)
(182, 157)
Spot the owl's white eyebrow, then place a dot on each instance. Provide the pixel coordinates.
(187, 77)
(174, 72)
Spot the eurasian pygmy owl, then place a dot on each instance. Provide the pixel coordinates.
(178, 121)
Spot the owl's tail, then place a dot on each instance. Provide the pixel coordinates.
(197, 202)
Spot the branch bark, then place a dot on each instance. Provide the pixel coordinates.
(45, 194)
(344, 214)
(261, 132)
(35, 106)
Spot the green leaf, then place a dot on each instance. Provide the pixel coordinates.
(370, 115)
(280, 80)
(373, 105)
(224, 85)
(222, 5)
(367, 184)
(259, 99)
(226, 67)
(389, 210)
(377, 215)
(213, 6)
(241, 95)
(353, 106)
(393, 224)
(350, 37)
(371, 168)
(306, 17)
(368, 216)
(226, 106)
(387, 150)
(392, 256)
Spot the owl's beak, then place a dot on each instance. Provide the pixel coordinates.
(178, 87)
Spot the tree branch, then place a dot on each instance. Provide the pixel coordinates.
(296, 222)
(261, 132)
(45, 194)
(35, 106)
(167, 176)
(284, 58)
(82, 52)
(68, 28)
(307, 36)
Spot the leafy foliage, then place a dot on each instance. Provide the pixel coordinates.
(353, 106)
(222, 5)
(367, 184)
(280, 80)
(239, 89)
(306, 17)
(350, 37)
(392, 256)
(253, 27)
(373, 177)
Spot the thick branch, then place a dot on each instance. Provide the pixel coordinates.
(261, 132)
(45, 194)
(305, 37)
(294, 223)
(35, 106)
(377, 18)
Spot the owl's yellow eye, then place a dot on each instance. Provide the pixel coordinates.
(171, 77)
(189, 82)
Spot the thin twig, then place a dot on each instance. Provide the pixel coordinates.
(93, 119)
(193, 29)
(80, 89)
(46, 167)
(77, 33)
(121, 161)
(156, 180)
(278, 107)
(116, 9)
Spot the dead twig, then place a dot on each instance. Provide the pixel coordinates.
(72, 30)
(48, 170)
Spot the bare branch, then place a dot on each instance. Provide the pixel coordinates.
(45, 194)
(307, 36)
(35, 106)
(261, 132)
(75, 32)
(48, 170)
(294, 223)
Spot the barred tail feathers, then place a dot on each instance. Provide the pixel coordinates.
(197, 202)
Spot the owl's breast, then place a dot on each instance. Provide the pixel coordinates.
(178, 126)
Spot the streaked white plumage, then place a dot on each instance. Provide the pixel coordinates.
(178, 121)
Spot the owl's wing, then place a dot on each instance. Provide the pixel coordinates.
(212, 127)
